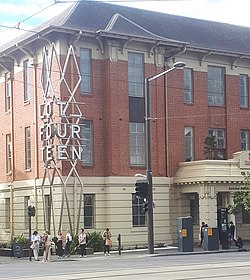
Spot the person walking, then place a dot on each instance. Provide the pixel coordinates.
(46, 245)
(107, 242)
(59, 244)
(202, 233)
(68, 241)
(82, 240)
(35, 239)
(231, 231)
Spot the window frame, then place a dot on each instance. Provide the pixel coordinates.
(87, 143)
(26, 80)
(8, 92)
(8, 153)
(244, 140)
(90, 218)
(135, 74)
(188, 85)
(86, 77)
(244, 103)
(215, 82)
(189, 139)
(220, 141)
(7, 213)
(137, 151)
(139, 217)
(27, 148)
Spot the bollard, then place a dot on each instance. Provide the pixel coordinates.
(119, 243)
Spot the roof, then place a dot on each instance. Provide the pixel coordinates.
(102, 17)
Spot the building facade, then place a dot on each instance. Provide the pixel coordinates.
(73, 132)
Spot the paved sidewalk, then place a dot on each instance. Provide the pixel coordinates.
(163, 251)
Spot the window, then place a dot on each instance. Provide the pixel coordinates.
(245, 216)
(189, 144)
(89, 203)
(8, 87)
(244, 140)
(137, 144)
(243, 91)
(219, 134)
(215, 86)
(26, 76)
(47, 199)
(7, 213)
(87, 143)
(27, 148)
(85, 69)
(194, 208)
(188, 85)
(138, 214)
(8, 153)
(26, 216)
(135, 74)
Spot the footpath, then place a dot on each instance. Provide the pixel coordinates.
(158, 252)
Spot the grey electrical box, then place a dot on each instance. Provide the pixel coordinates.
(211, 239)
(185, 234)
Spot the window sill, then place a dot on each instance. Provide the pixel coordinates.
(26, 102)
(28, 170)
(139, 229)
(9, 173)
(7, 112)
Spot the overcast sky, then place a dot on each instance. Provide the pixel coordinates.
(20, 12)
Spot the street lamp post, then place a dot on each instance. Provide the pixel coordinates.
(150, 221)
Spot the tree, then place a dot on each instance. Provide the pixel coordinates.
(241, 199)
(210, 145)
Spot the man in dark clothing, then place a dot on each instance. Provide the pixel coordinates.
(239, 243)
(231, 231)
(202, 233)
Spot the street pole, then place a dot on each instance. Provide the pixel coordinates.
(150, 220)
(30, 237)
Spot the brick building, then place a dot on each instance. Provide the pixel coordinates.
(73, 133)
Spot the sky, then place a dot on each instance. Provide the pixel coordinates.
(19, 15)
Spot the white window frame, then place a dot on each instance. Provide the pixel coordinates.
(27, 148)
(87, 142)
(189, 143)
(243, 91)
(135, 74)
(139, 217)
(26, 77)
(215, 80)
(244, 139)
(8, 153)
(219, 134)
(188, 85)
(137, 143)
(8, 92)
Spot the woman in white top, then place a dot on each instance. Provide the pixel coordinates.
(35, 239)
(47, 245)
(82, 240)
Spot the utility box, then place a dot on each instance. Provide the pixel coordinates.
(17, 250)
(211, 239)
(185, 234)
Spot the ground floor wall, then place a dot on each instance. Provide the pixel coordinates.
(112, 208)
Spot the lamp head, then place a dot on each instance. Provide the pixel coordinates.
(179, 65)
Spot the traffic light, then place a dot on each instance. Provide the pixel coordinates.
(141, 188)
(31, 211)
(145, 206)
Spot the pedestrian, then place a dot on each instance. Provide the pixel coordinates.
(231, 231)
(82, 240)
(59, 244)
(202, 233)
(107, 242)
(239, 243)
(68, 241)
(46, 246)
(35, 239)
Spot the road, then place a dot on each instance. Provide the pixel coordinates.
(220, 266)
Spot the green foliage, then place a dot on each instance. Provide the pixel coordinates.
(22, 240)
(94, 240)
(241, 198)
